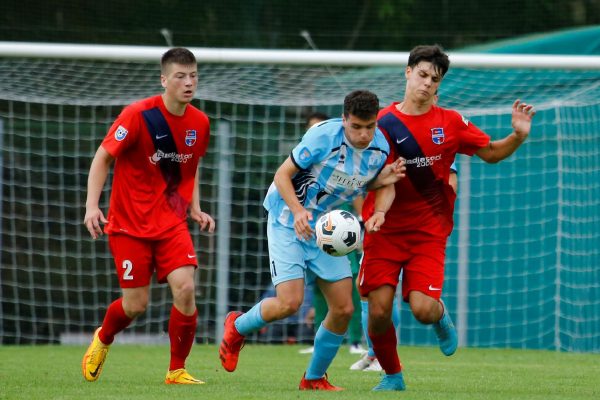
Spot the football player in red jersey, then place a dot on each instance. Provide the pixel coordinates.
(416, 223)
(156, 145)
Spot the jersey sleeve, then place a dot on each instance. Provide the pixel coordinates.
(471, 137)
(386, 147)
(123, 132)
(204, 134)
(311, 148)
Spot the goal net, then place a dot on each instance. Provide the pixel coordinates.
(523, 263)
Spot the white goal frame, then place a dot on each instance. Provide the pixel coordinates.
(305, 57)
(291, 57)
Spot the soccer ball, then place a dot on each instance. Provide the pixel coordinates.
(338, 233)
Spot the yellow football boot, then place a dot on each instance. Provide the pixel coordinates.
(94, 358)
(181, 377)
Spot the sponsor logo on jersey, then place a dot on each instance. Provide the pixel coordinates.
(190, 137)
(175, 157)
(424, 161)
(437, 135)
(120, 133)
(343, 152)
(339, 178)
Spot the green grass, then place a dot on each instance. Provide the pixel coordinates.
(273, 372)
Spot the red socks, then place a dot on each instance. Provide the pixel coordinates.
(115, 320)
(182, 332)
(385, 350)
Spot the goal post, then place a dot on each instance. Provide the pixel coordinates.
(523, 265)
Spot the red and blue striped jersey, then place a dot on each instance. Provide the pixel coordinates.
(424, 200)
(157, 154)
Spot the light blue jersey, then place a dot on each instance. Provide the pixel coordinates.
(332, 172)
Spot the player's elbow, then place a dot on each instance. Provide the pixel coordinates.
(282, 177)
(493, 160)
(490, 157)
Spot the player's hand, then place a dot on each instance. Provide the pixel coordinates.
(391, 173)
(374, 223)
(302, 227)
(398, 168)
(92, 220)
(203, 219)
(522, 114)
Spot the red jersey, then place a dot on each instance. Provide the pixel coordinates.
(429, 142)
(157, 155)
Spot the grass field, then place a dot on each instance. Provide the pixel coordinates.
(273, 372)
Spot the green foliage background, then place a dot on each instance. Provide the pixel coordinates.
(335, 24)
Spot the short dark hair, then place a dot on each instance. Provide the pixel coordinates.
(430, 53)
(177, 55)
(362, 104)
(316, 115)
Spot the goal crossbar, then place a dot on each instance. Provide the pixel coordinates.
(291, 57)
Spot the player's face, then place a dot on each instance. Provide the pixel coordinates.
(359, 132)
(180, 82)
(422, 82)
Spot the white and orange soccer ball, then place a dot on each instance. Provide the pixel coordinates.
(338, 232)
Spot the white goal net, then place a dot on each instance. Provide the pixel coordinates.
(523, 263)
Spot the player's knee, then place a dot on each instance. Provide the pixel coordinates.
(377, 311)
(347, 311)
(184, 292)
(288, 307)
(423, 313)
(134, 308)
(342, 312)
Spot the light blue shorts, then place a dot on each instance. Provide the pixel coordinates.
(292, 258)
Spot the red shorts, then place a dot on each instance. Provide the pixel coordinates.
(136, 259)
(419, 257)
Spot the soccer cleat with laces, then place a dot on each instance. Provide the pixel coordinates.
(232, 342)
(181, 377)
(94, 357)
(318, 384)
(446, 333)
(374, 366)
(391, 383)
(363, 363)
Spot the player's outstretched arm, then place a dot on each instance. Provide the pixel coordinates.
(203, 219)
(285, 187)
(389, 175)
(384, 197)
(96, 179)
(498, 150)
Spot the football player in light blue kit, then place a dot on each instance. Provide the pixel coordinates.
(335, 161)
